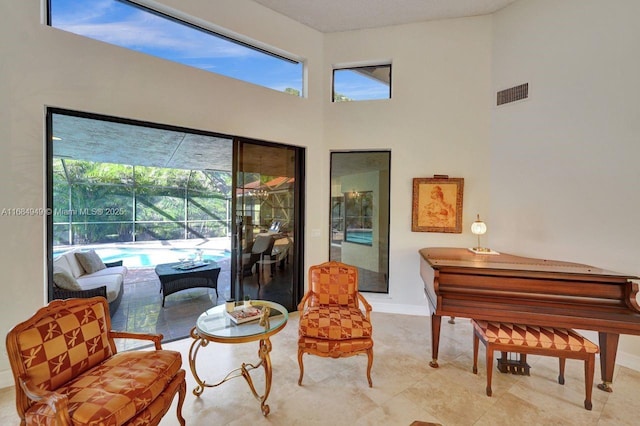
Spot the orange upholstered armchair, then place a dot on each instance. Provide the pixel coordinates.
(332, 323)
(67, 370)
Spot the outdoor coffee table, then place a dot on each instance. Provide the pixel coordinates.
(215, 326)
(178, 276)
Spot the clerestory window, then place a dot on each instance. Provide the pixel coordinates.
(138, 27)
(362, 83)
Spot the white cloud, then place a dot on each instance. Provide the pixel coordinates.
(147, 32)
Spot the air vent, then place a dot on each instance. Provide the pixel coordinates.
(513, 94)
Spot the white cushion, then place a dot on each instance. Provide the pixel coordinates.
(90, 261)
(112, 281)
(112, 270)
(74, 266)
(63, 279)
(61, 262)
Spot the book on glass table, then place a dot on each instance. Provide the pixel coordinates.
(244, 314)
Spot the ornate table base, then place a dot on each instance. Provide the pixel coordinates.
(242, 371)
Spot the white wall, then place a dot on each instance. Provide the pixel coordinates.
(564, 164)
(437, 122)
(42, 66)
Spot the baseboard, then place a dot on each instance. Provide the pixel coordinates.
(394, 308)
(6, 379)
(628, 360)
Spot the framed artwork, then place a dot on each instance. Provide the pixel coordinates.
(437, 204)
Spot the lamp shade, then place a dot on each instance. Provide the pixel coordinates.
(478, 227)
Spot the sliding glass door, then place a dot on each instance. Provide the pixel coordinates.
(267, 248)
(155, 197)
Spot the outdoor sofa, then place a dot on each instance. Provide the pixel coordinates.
(80, 273)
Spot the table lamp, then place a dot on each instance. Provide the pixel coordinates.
(479, 228)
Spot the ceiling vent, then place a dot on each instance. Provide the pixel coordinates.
(513, 94)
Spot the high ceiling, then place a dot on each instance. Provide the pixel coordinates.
(101, 141)
(345, 15)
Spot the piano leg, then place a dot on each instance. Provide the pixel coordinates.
(608, 351)
(435, 339)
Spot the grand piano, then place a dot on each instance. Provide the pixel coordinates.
(508, 288)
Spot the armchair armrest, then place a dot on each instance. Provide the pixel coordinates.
(304, 301)
(155, 338)
(366, 305)
(112, 264)
(57, 403)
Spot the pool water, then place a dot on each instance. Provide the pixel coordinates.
(360, 236)
(149, 257)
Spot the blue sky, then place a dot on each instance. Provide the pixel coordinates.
(119, 23)
(358, 86)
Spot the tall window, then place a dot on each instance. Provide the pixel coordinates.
(136, 27)
(360, 215)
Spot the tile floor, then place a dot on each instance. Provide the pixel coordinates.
(141, 307)
(405, 388)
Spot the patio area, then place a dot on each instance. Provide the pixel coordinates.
(141, 307)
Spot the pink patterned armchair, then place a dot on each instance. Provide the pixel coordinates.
(67, 371)
(332, 323)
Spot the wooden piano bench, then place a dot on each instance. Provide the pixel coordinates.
(530, 339)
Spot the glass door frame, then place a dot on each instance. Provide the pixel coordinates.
(297, 281)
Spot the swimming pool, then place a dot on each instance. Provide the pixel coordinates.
(360, 236)
(136, 257)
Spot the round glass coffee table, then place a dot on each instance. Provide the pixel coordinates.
(215, 325)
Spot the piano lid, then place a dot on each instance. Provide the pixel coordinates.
(440, 257)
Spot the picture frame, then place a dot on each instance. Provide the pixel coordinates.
(437, 204)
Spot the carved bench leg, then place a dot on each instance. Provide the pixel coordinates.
(562, 362)
(489, 367)
(589, 365)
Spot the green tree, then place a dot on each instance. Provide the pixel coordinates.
(97, 201)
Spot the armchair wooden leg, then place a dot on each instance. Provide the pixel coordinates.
(182, 392)
(369, 365)
(300, 353)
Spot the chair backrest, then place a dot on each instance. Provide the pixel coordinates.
(262, 244)
(333, 283)
(60, 341)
